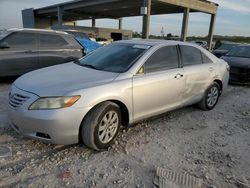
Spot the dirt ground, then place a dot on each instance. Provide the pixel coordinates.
(213, 146)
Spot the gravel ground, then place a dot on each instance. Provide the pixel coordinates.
(213, 146)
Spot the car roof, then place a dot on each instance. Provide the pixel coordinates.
(37, 31)
(154, 42)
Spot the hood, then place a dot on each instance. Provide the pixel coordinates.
(60, 79)
(237, 61)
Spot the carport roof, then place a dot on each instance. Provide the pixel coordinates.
(87, 9)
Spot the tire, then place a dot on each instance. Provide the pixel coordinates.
(101, 125)
(210, 98)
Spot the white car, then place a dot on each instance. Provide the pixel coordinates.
(119, 84)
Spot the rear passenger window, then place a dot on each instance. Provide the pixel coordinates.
(163, 59)
(21, 39)
(47, 40)
(190, 56)
(205, 58)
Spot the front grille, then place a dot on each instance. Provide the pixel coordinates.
(239, 74)
(237, 70)
(17, 100)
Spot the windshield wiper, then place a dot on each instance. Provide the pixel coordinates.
(88, 65)
(78, 62)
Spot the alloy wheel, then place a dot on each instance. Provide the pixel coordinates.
(212, 96)
(108, 127)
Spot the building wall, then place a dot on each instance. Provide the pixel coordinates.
(106, 33)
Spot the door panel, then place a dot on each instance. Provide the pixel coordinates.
(22, 56)
(53, 50)
(197, 74)
(50, 57)
(156, 93)
(197, 79)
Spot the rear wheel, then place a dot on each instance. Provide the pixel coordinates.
(101, 125)
(211, 97)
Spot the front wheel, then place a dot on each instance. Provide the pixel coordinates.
(101, 125)
(210, 98)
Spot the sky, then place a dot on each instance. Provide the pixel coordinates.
(233, 18)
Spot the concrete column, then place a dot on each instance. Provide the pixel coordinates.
(59, 15)
(28, 18)
(211, 31)
(185, 24)
(93, 22)
(120, 23)
(146, 20)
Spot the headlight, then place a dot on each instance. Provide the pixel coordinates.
(53, 103)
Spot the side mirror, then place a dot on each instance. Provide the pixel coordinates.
(4, 45)
(141, 71)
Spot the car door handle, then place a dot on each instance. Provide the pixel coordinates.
(178, 76)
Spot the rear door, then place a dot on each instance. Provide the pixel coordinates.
(22, 54)
(53, 50)
(199, 73)
(159, 88)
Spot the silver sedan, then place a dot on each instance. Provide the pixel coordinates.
(119, 84)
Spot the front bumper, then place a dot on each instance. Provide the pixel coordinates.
(60, 126)
(239, 75)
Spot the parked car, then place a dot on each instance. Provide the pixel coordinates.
(119, 84)
(201, 43)
(83, 38)
(239, 60)
(223, 48)
(24, 50)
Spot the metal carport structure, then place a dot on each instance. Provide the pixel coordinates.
(118, 9)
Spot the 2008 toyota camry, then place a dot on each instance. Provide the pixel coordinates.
(120, 84)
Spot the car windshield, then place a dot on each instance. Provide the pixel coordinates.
(226, 46)
(240, 51)
(114, 57)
